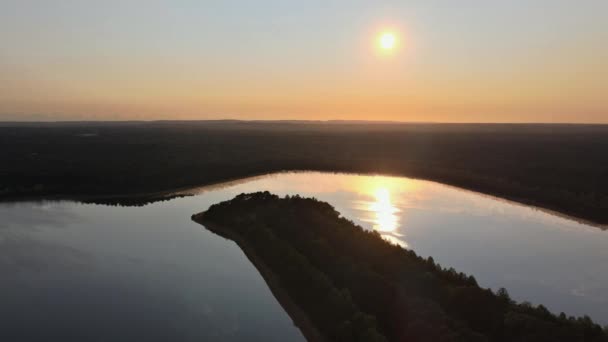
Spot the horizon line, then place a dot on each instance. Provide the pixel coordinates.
(298, 121)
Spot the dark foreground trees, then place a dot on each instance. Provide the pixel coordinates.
(355, 286)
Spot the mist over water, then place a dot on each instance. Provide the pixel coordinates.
(85, 271)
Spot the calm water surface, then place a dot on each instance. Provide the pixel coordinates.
(73, 271)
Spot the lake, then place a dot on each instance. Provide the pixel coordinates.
(74, 271)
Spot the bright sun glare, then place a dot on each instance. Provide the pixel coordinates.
(387, 40)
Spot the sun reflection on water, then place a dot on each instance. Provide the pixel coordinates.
(385, 216)
(386, 219)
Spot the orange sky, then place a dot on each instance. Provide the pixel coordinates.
(475, 61)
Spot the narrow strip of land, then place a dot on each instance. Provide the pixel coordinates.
(299, 317)
(340, 282)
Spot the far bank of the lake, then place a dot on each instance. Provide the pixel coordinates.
(139, 199)
(557, 167)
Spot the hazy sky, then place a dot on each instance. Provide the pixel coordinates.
(466, 60)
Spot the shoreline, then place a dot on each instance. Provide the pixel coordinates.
(298, 317)
(140, 199)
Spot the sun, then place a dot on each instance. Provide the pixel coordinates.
(387, 40)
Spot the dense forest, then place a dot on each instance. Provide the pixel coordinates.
(559, 167)
(355, 286)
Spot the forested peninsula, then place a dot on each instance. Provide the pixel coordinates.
(340, 282)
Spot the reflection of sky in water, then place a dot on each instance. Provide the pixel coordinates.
(76, 272)
(146, 273)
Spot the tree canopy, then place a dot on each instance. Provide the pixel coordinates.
(356, 286)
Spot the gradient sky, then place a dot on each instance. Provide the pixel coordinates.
(458, 61)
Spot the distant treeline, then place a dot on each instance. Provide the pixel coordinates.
(560, 167)
(355, 286)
